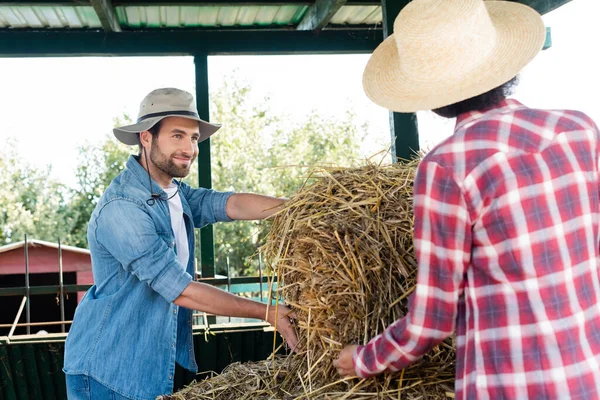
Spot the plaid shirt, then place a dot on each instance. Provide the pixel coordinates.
(507, 239)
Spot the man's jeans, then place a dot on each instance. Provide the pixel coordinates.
(82, 387)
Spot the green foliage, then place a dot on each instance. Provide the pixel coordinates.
(98, 166)
(30, 202)
(46, 209)
(255, 152)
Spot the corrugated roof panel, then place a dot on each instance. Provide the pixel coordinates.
(132, 15)
(88, 17)
(190, 16)
(376, 17)
(12, 17)
(31, 18)
(285, 15)
(155, 16)
(341, 16)
(3, 22)
(208, 16)
(356, 15)
(24, 17)
(265, 15)
(227, 16)
(74, 20)
(48, 17)
(299, 14)
(172, 18)
(121, 16)
(247, 15)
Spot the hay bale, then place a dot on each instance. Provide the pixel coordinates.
(343, 253)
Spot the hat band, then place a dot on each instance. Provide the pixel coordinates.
(163, 113)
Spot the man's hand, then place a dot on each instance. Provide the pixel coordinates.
(345, 363)
(281, 321)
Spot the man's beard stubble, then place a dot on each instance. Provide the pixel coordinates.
(166, 164)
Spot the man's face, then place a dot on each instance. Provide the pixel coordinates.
(176, 146)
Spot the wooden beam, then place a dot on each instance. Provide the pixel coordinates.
(106, 14)
(54, 43)
(319, 14)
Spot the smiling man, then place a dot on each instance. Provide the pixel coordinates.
(135, 323)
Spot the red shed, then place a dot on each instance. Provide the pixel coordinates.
(43, 260)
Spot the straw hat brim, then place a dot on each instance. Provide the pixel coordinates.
(128, 134)
(520, 36)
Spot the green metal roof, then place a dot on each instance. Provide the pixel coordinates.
(358, 15)
(36, 17)
(30, 28)
(176, 14)
(209, 16)
(19, 16)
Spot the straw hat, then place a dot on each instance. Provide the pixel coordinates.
(163, 103)
(446, 51)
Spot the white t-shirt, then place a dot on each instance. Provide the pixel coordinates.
(178, 225)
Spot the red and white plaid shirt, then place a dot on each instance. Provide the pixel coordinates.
(507, 233)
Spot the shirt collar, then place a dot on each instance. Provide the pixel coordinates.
(141, 174)
(502, 107)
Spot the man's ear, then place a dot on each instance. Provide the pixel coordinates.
(146, 139)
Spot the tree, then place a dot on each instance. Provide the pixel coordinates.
(31, 202)
(254, 152)
(97, 167)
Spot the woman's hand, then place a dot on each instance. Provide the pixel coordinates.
(345, 361)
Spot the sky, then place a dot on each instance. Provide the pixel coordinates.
(53, 105)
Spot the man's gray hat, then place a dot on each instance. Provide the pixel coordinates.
(159, 104)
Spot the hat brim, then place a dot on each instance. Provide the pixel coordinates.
(520, 37)
(128, 134)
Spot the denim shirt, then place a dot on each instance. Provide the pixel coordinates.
(127, 333)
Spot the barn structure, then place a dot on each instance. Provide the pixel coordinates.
(199, 28)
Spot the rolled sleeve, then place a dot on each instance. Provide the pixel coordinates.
(207, 205)
(171, 282)
(128, 233)
(219, 201)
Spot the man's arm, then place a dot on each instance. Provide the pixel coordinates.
(128, 233)
(249, 206)
(207, 298)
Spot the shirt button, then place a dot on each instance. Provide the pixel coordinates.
(172, 244)
(173, 345)
(170, 377)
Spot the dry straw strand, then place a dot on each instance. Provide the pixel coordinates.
(342, 250)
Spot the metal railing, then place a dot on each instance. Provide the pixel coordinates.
(238, 285)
